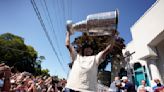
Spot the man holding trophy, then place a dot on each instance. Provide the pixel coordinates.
(83, 75)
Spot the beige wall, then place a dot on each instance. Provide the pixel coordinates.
(149, 26)
(147, 34)
(160, 62)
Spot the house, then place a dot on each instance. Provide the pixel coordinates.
(148, 43)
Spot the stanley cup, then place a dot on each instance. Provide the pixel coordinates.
(96, 24)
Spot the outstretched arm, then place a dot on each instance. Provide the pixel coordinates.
(102, 55)
(69, 46)
(108, 49)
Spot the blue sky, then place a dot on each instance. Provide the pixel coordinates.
(18, 17)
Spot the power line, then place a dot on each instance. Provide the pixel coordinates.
(44, 12)
(46, 16)
(52, 26)
(62, 14)
(63, 8)
(59, 23)
(45, 30)
(71, 9)
(53, 29)
(51, 22)
(60, 9)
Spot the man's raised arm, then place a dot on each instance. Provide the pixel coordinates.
(69, 46)
(102, 55)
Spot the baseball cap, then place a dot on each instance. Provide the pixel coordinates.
(124, 78)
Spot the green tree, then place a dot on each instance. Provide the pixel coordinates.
(45, 72)
(38, 65)
(15, 53)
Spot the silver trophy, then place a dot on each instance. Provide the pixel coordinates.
(99, 24)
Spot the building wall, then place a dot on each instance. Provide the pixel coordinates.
(150, 25)
(147, 34)
(160, 62)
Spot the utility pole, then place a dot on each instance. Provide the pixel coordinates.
(127, 60)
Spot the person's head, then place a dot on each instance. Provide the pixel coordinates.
(87, 50)
(30, 83)
(143, 82)
(117, 78)
(157, 81)
(142, 89)
(125, 79)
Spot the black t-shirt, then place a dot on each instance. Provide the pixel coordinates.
(129, 87)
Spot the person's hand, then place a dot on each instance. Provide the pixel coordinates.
(68, 33)
(114, 33)
(2, 67)
(112, 42)
(69, 27)
(2, 64)
(7, 73)
(6, 70)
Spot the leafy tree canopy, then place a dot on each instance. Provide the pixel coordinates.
(16, 54)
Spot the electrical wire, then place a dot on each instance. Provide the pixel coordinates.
(63, 9)
(45, 31)
(71, 9)
(59, 23)
(53, 29)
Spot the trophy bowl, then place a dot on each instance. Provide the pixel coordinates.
(98, 24)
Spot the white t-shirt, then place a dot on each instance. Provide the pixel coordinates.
(83, 75)
(147, 88)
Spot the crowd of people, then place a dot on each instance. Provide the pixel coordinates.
(26, 82)
(124, 85)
